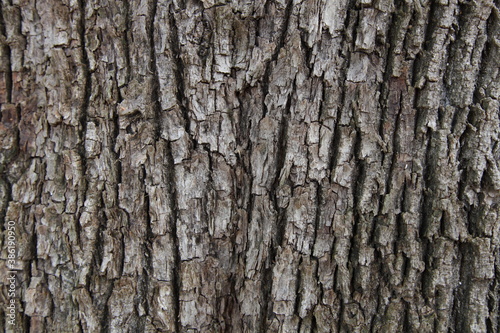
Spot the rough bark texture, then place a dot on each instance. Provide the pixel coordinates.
(252, 166)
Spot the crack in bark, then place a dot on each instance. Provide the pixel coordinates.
(385, 86)
(394, 151)
(83, 117)
(306, 51)
(317, 215)
(87, 83)
(179, 71)
(426, 178)
(298, 297)
(4, 199)
(280, 163)
(148, 248)
(154, 69)
(355, 241)
(7, 52)
(105, 320)
(176, 283)
(266, 288)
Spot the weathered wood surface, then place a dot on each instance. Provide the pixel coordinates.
(252, 166)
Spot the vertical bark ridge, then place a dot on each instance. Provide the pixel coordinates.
(340, 122)
(478, 281)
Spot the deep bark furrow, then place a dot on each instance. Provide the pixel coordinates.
(154, 69)
(262, 166)
(179, 70)
(87, 86)
(176, 282)
(317, 217)
(394, 153)
(267, 282)
(87, 83)
(7, 67)
(126, 41)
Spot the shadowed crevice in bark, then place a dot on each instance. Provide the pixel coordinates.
(280, 163)
(359, 218)
(317, 217)
(104, 319)
(420, 62)
(395, 150)
(427, 194)
(155, 96)
(83, 116)
(87, 83)
(459, 294)
(395, 26)
(321, 109)
(339, 324)
(5, 197)
(266, 287)
(156, 105)
(7, 58)
(489, 57)
(126, 40)
(298, 282)
(334, 147)
(492, 322)
(179, 71)
(307, 51)
(147, 246)
(176, 283)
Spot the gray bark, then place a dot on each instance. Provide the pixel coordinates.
(251, 166)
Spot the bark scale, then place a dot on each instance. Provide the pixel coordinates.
(258, 166)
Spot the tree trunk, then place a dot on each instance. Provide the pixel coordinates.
(251, 166)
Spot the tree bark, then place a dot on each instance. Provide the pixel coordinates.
(251, 166)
